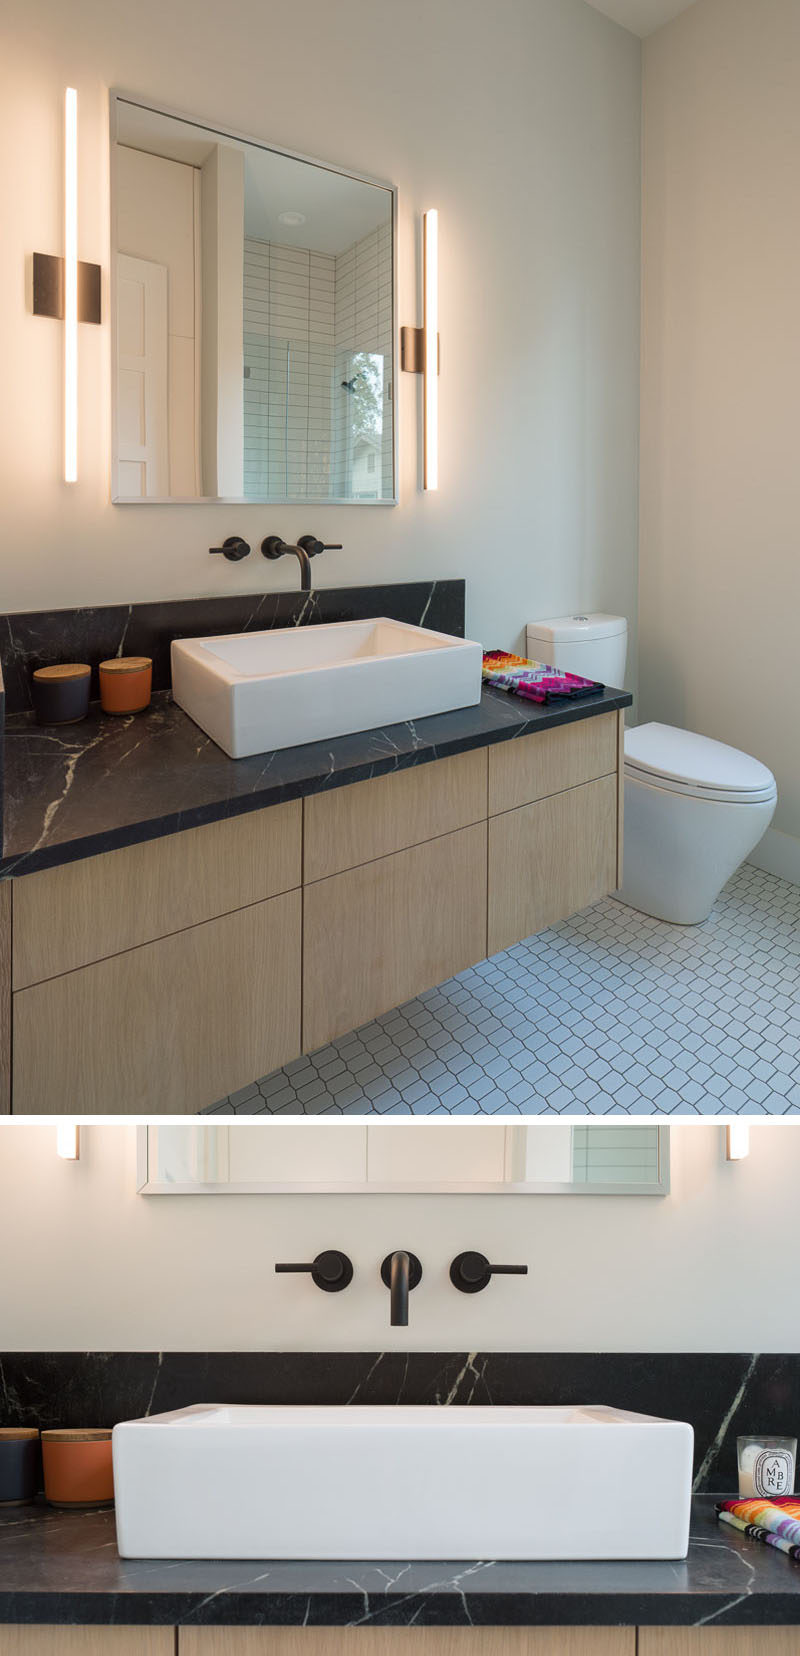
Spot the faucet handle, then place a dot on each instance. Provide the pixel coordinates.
(331, 1271)
(313, 547)
(471, 1272)
(233, 548)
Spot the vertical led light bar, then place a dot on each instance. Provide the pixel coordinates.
(71, 285)
(737, 1140)
(68, 1141)
(430, 237)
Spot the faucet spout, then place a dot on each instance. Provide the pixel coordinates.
(398, 1289)
(273, 547)
(400, 1272)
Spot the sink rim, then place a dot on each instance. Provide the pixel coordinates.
(423, 641)
(399, 1416)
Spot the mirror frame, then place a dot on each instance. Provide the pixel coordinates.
(117, 96)
(148, 1185)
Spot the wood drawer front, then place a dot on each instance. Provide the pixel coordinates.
(549, 860)
(719, 1641)
(390, 813)
(407, 1641)
(87, 1641)
(84, 911)
(171, 1026)
(379, 934)
(532, 767)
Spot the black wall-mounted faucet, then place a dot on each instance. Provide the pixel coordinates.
(471, 1272)
(331, 1271)
(400, 1272)
(307, 547)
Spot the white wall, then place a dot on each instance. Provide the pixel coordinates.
(91, 1265)
(520, 121)
(720, 466)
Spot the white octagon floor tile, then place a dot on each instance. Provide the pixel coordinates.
(609, 1012)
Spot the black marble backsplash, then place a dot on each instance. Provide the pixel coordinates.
(720, 1394)
(41, 638)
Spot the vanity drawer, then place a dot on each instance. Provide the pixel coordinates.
(168, 1027)
(371, 819)
(550, 859)
(84, 911)
(60, 1640)
(407, 1641)
(533, 767)
(377, 935)
(718, 1641)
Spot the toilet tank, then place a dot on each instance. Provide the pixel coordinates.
(593, 645)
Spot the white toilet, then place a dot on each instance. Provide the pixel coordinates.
(694, 808)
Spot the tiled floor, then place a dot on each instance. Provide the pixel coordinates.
(609, 1011)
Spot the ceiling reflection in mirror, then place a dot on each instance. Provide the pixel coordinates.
(253, 320)
(284, 1157)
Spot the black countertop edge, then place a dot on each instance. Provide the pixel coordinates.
(59, 1568)
(59, 810)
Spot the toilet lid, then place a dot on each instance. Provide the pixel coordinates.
(680, 759)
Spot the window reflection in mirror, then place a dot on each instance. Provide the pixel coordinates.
(557, 1159)
(253, 320)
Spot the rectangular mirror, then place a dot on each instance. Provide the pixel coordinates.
(252, 319)
(553, 1159)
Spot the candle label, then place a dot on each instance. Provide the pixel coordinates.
(773, 1473)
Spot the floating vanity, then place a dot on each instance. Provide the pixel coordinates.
(175, 923)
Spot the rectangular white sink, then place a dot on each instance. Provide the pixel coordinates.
(255, 692)
(398, 1482)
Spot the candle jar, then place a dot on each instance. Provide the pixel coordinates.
(19, 1465)
(61, 694)
(125, 684)
(77, 1468)
(766, 1465)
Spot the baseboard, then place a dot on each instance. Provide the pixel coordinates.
(778, 853)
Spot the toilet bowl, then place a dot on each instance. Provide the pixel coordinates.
(694, 808)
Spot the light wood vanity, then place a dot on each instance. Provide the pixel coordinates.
(399, 1641)
(160, 976)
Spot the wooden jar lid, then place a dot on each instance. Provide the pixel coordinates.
(126, 664)
(18, 1434)
(64, 1435)
(66, 670)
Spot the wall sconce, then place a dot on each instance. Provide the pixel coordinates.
(737, 1141)
(66, 288)
(419, 347)
(68, 1141)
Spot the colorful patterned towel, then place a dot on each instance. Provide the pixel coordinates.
(533, 680)
(777, 1521)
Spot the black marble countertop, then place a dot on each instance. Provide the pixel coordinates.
(77, 790)
(58, 1567)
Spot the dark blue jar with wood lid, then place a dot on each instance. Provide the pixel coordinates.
(19, 1465)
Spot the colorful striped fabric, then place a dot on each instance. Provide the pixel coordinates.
(777, 1522)
(532, 679)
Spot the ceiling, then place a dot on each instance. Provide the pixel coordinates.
(642, 17)
(335, 210)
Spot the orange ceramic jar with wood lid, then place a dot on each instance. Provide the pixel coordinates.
(125, 684)
(77, 1468)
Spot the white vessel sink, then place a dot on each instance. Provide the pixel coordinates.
(399, 1482)
(254, 692)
